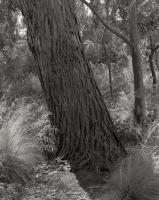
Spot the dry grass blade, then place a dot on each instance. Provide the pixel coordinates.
(17, 154)
(136, 178)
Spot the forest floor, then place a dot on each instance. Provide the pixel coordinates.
(55, 181)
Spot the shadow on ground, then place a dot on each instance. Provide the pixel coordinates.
(55, 181)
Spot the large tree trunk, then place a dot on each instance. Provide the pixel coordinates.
(86, 132)
(139, 110)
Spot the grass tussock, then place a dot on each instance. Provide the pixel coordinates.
(136, 178)
(32, 119)
(17, 154)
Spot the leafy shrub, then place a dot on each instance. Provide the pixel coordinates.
(28, 86)
(123, 111)
(136, 178)
(128, 134)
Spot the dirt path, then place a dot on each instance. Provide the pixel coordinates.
(54, 182)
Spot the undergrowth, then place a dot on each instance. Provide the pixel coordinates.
(25, 134)
(17, 153)
(32, 118)
(136, 177)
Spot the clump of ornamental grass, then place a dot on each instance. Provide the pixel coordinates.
(152, 135)
(136, 177)
(32, 118)
(18, 155)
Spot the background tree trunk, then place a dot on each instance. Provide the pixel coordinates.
(139, 107)
(139, 110)
(151, 63)
(157, 60)
(109, 65)
(86, 131)
(153, 49)
(106, 40)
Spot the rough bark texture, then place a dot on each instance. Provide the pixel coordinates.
(86, 132)
(139, 110)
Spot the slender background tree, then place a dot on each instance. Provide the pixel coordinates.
(139, 107)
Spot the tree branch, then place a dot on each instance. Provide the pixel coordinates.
(107, 26)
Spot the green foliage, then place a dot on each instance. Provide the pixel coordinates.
(18, 77)
(28, 86)
(16, 62)
(123, 111)
(10, 5)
